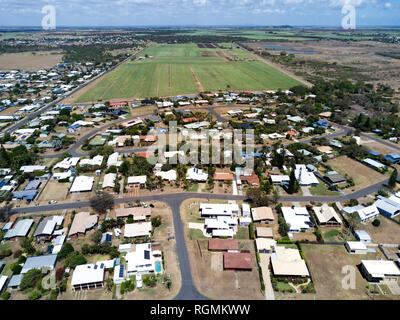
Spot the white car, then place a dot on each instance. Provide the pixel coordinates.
(139, 282)
(144, 204)
(52, 202)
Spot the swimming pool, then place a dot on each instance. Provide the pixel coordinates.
(158, 266)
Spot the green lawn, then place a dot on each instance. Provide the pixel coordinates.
(175, 68)
(281, 286)
(321, 190)
(330, 235)
(194, 188)
(196, 234)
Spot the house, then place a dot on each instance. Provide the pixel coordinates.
(46, 227)
(321, 124)
(287, 263)
(113, 160)
(3, 281)
(325, 149)
(88, 276)
(374, 164)
(96, 161)
(44, 263)
(67, 163)
(279, 179)
(62, 175)
(252, 180)
(365, 213)
(393, 157)
(388, 207)
(244, 221)
(304, 177)
(142, 259)
(265, 245)
(236, 261)
(195, 174)
(137, 181)
(142, 229)
(356, 247)
(262, 214)
(327, 216)
(32, 169)
(223, 245)
(83, 221)
(379, 270)
(15, 282)
(362, 236)
(222, 175)
(109, 182)
(295, 119)
(221, 226)
(82, 184)
(170, 175)
(333, 178)
(214, 210)
(263, 232)
(20, 230)
(297, 218)
(138, 213)
(106, 237)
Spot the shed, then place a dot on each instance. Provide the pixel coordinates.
(362, 236)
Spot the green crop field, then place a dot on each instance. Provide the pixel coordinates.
(184, 69)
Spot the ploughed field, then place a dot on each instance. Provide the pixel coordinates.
(174, 69)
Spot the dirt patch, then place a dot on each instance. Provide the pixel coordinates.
(387, 232)
(30, 61)
(196, 79)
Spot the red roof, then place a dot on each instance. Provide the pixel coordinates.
(114, 104)
(223, 244)
(252, 180)
(145, 154)
(239, 261)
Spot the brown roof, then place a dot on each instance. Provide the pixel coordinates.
(223, 244)
(252, 180)
(264, 232)
(223, 176)
(81, 222)
(262, 213)
(136, 211)
(242, 261)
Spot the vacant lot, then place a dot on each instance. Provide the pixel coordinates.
(326, 272)
(362, 175)
(387, 232)
(182, 69)
(29, 61)
(55, 191)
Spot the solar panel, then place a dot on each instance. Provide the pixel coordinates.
(121, 272)
(95, 266)
(102, 265)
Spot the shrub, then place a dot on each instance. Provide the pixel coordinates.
(66, 249)
(17, 254)
(5, 295)
(16, 268)
(30, 278)
(59, 274)
(376, 223)
(35, 295)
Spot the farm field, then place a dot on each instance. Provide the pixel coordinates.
(184, 69)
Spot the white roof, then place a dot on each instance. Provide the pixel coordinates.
(137, 229)
(82, 184)
(30, 169)
(170, 154)
(374, 163)
(278, 178)
(297, 217)
(96, 161)
(245, 208)
(87, 273)
(288, 262)
(167, 175)
(140, 261)
(326, 213)
(303, 176)
(67, 163)
(218, 209)
(196, 175)
(108, 181)
(3, 280)
(222, 233)
(113, 159)
(62, 175)
(356, 245)
(137, 180)
(381, 268)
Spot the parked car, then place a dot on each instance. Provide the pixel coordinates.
(52, 202)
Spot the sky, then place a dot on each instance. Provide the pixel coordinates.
(199, 12)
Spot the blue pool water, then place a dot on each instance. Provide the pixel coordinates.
(158, 266)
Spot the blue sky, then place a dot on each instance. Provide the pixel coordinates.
(199, 12)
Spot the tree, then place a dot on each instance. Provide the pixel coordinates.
(258, 197)
(293, 184)
(35, 295)
(96, 236)
(30, 279)
(156, 221)
(393, 178)
(75, 259)
(66, 249)
(5, 211)
(102, 202)
(376, 223)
